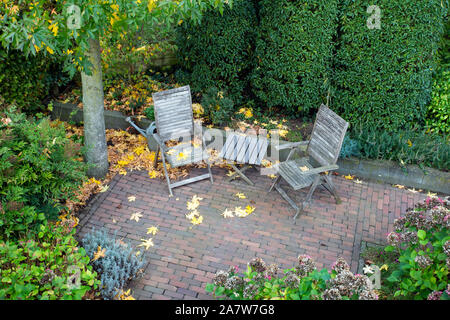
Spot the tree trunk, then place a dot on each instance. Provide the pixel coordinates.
(93, 115)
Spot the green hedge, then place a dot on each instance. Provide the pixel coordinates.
(383, 77)
(22, 79)
(294, 51)
(218, 52)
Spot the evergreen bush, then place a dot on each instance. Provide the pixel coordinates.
(383, 77)
(294, 49)
(118, 265)
(218, 51)
(39, 165)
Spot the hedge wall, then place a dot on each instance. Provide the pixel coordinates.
(383, 77)
(218, 52)
(23, 79)
(294, 51)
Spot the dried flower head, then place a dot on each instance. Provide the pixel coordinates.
(220, 278)
(258, 265)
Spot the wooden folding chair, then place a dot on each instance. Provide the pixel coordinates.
(322, 153)
(174, 121)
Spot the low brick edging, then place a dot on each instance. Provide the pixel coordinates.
(378, 170)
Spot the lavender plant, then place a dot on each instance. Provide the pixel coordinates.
(303, 282)
(422, 240)
(114, 260)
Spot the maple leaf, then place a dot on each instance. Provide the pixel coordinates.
(192, 214)
(239, 212)
(153, 230)
(349, 177)
(431, 195)
(104, 188)
(131, 198)
(272, 176)
(227, 214)
(196, 198)
(181, 156)
(93, 180)
(249, 209)
(240, 195)
(413, 190)
(170, 152)
(153, 174)
(136, 216)
(192, 205)
(384, 267)
(147, 243)
(304, 168)
(231, 173)
(123, 172)
(99, 254)
(197, 220)
(399, 186)
(358, 181)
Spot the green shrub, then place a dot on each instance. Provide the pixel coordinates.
(303, 282)
(22, 79)
(293, 53)
(383, 77)
(118, 264)
(39, 166)
(218, 51)
(48, 266)
(438, 117)
(412, 146)
(422, 240)
(218, 108)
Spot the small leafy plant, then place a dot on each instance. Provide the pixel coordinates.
(303, 282)
(422, 240)
(45, 266)
(218, 108)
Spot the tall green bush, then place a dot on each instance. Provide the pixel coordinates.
(39, 166)
(218, 52)
(383, 77)
(294, 48)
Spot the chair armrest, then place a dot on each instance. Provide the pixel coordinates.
(291, 145)
(318, 170)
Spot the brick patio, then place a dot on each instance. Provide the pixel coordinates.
(186, 257)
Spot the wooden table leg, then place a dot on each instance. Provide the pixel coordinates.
(241, 174)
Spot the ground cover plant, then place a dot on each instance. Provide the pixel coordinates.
(415, 264)
(303, 282)
(115, 261)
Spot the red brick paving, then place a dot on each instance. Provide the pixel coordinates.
(186, 257)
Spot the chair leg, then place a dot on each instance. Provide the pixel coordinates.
(166, 174)
(274, 183)
(155, 162)
(331, 188)
(311, 191)
(288, 199)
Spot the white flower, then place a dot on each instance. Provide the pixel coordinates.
(368, 269)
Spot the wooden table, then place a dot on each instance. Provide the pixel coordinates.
(244, 149)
